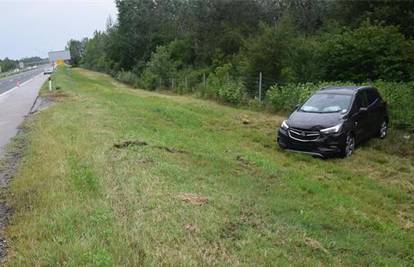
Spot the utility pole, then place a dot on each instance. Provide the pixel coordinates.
(260, 86)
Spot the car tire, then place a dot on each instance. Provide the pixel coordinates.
(383, 130)
(349, 146)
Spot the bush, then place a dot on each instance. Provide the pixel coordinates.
(127, 77)
(286, 97)
(159, 70)
(255, 104)
(400, 99)
(222, 87)
(189, 80)
(232, 92)
(148, 80)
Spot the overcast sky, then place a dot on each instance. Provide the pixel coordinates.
(34, 27)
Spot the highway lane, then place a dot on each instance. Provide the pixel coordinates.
(16, 104)
(10, 82)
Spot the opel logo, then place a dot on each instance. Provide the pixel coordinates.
(303, 134)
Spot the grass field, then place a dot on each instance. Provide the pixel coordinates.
(198, 184)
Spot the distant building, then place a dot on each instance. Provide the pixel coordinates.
(59, 57)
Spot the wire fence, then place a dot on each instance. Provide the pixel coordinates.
(255, 86)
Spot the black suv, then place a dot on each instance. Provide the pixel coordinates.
(333, 120)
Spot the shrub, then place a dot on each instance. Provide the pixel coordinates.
(127, 77)
(255, 104)
(286, 97)
(400, 99)
(159, 70)
(232, 92)
(189, 80)
(148, 80)
(221, 86)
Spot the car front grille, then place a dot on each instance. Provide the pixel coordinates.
(303, 136)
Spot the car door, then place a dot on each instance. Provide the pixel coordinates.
(375, 110)
(362, 124)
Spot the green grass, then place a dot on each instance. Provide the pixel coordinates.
(79, 201)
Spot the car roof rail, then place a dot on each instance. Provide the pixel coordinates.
(326, 87)
(364, 87)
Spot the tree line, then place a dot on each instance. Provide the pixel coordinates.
(7, 64)
(232, 41)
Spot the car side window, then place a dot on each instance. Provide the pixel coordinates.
(372, 96)
(361, 100)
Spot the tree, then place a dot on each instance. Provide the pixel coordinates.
(94, 56)
(8, 64)
(385, 12)
(286, 40)
(267, 53)
(76, 49)
(369, 53)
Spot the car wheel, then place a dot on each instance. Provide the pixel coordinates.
(383, 131)
(349, 146)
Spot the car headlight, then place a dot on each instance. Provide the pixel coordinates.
(332, 130)
(284, 125)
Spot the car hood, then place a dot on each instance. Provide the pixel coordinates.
(314, 121)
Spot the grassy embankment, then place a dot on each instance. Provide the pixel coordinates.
(79, 200)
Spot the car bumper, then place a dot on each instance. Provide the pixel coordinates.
(324, 146)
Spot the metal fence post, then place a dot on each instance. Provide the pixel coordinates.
(260, 86)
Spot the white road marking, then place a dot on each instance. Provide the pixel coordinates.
(16, 87)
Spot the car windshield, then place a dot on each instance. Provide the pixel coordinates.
(327, 103)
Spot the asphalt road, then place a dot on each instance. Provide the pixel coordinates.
(10, 82)
(16, 102)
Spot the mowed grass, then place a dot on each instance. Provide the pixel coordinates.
(79, 201)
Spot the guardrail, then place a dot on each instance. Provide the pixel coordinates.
(12, 73)
(6, 74)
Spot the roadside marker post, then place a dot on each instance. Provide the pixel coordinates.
(50, 84)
